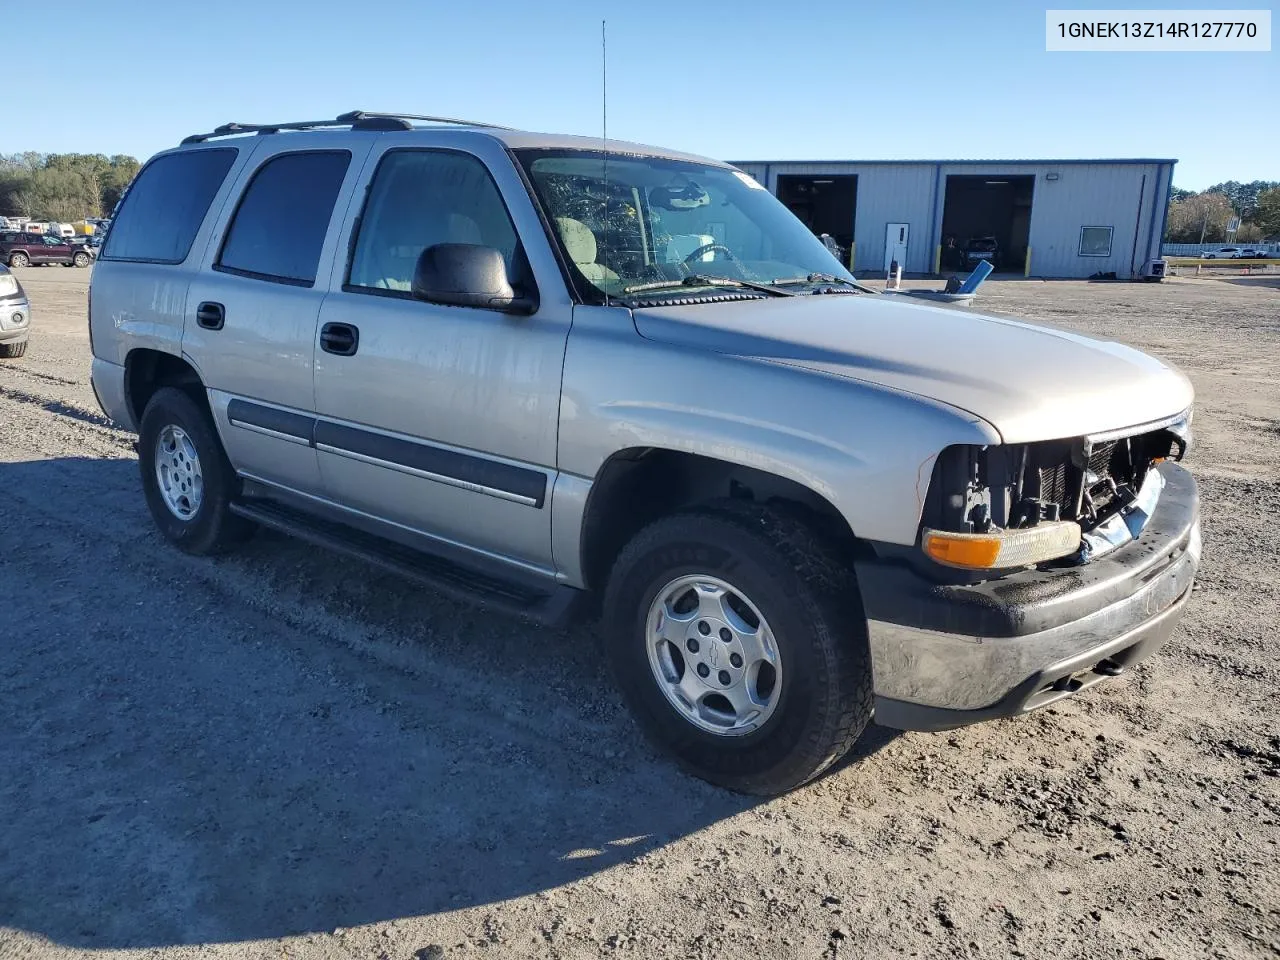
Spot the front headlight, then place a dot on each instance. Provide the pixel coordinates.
(1002, 549)
(8, 285)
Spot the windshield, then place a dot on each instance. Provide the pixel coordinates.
(671, 226)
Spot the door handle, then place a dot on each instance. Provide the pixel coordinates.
(341, 339)
(211, 315)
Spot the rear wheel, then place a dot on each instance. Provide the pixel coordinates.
(81, 259)
(187, 479)
(737, 638)
(13, 350)
(19, 259)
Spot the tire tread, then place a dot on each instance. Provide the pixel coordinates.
(220, 529)
(831, 602)
(817, 562)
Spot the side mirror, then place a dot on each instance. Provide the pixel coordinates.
(466, 275)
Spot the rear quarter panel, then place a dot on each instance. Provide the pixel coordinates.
(136, 305)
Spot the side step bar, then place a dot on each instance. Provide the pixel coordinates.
(551, 604)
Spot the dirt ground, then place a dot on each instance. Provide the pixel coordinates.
(284, 754)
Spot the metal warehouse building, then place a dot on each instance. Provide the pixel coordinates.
(1047, 218)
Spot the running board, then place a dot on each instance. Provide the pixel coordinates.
(548, 603)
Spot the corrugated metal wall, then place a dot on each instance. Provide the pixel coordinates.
(1120, 196)
(1128, 197)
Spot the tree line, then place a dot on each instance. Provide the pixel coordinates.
(63, 186)
(1204, 217)
(71, 186)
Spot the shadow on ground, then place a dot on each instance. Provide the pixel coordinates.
(184, 767)
(1265, 280)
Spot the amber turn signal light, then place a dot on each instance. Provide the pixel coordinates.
(1001, 549)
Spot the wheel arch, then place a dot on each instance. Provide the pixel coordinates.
(146, 370)
(638, 485)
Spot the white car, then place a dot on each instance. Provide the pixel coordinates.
(1222, 253)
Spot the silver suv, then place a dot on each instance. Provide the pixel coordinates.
(532, 372)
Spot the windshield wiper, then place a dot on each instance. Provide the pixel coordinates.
(826, 278)
(701, 280)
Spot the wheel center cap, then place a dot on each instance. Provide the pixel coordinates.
(714, 652)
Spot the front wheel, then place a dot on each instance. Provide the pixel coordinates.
(738, 640)
(19, 259)
(80, 259)
(187, 479)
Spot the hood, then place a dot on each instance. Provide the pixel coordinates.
(1030, 383)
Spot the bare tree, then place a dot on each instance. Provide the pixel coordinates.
(1200, 218)
(25, 201)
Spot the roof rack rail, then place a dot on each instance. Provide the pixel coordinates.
(358, 116)
(355, 119)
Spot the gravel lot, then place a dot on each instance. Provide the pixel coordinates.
(286, 754)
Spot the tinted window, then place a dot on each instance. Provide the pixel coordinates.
(421, 198)
(160, 215)
(278, 230)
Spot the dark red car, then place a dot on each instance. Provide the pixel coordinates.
(24, 249)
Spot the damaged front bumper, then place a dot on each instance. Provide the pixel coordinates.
(946, 655)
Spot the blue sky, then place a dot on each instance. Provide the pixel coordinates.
(755, 80)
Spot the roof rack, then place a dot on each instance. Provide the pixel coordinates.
(355, 119)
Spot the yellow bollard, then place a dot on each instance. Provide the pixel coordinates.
(937, 260)
(1026, 267)
(853, 245)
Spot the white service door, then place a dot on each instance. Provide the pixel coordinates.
(895, 244)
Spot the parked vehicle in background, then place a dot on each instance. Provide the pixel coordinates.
(982, 248)
(15, 315)
(545, 377)
(86, 243)
(25, 249)
(1222, 253)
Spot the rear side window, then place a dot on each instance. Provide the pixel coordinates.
(159, 217)
(279, 228)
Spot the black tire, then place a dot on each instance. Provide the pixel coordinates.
(19, 259)
(81, 259)
(811, 601)
(212, 528)
(11, 351)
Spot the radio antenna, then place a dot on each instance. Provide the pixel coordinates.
(604, 133)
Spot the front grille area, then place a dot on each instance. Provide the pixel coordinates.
(977, 488)
(1112, 472)
(1053, 484)
(1100, 458)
